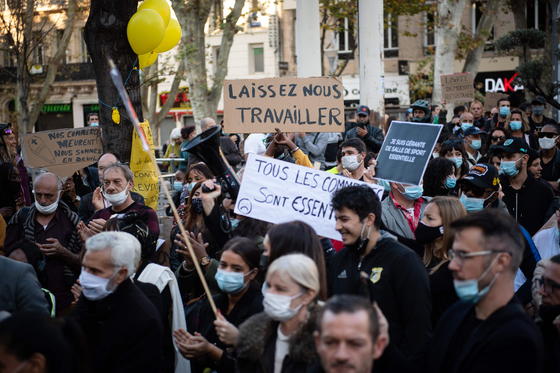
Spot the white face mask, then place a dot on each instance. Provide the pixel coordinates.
(547, 143)
(277, 306)
(47, 210)
(118, 198)
(350, 162)
(95, 287)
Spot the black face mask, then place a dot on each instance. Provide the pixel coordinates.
(549, 313)
(426, 234)
(359, 247)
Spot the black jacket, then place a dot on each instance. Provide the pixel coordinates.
(86, 208)
(250, 304)
(507, 341)
(529, 204)
(399, 283)
(123, 331)
(373, 140)
(493, 122)
(256, 346)
(230, 151)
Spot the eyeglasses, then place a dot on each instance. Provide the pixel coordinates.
(498, 138)
(550, 135)
(548, 286)
(460, 256)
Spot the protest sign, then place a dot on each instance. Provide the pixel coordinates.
(406, 151)
(279, 192)
(291, 104)
(146, 180)
(458, 87)
(491, 100)
(62, 152)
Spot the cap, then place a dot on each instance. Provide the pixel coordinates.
(473, 131)
(513, 145)
(539, 99)
(362, 109)
(483, 175)
(4, 127)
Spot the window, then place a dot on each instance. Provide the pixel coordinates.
(346, 39)
(430, 30)
(391, 38)
(59, 34)
(38, 56)
(84, 54)
(9, 59)
(535, 11)
(256, 58)
(215, 56)
(477, 12)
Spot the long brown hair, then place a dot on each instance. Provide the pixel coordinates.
(450, 209)
(192, 216)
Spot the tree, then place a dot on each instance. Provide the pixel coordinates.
(26, 31)
(193, 16)
(449, 27)
(105, 35)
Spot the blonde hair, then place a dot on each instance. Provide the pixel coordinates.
(450, 209)
(299, 268)
(476, 102)
(524, 121)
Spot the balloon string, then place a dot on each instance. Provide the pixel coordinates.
(126, 81)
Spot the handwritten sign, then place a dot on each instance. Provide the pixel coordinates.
(458, 87)
(146, 180)
(291, 104)
(279, 192)
(491, 100)
(406, 152)
(62, 152)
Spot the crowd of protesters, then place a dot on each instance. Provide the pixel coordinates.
(458, 274)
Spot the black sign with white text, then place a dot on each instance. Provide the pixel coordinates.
(406, 152)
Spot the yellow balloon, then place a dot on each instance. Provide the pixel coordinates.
(172, 36)
(145, 31)
(159, 6)
(145, 60)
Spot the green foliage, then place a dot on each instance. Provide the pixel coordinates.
(421, 84)
(528, 38)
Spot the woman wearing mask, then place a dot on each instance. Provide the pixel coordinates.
(180, 179)
(454, 150)
(476, 111)
(280, 340)
(195, 173)
(11, 198)
(187, 133)
(434, 233)
(439, 178)
(518, 124)
(208, 341)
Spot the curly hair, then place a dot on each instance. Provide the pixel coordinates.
(488, 142)
(360, 199)
(455, 143)
(436, 173)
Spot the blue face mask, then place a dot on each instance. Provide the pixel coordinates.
(515, 125)
(385, 184)
(476, 144)
(450, 182)
(94, 124)
(468, 291)
(504, 111)
(509, 168)
(473, 204)
(231, 282)
(191, 186)
(412, 193)
(234, 223)
(465, 126)
(178, 186)
(458, 161)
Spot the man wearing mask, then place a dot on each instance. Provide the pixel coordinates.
(488, 331)
(374, 264)
(53, 227)
(93, 120)
(403, 209)
(499, 119)
(480, 188)
(548, 139)
(473, 140)
(95, 201)
(118, 181)
(549, 310)
(122, 327)
(353, 155)
(527, 199)
(538, 120)
(370, 135)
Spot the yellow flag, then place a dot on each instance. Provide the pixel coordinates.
(145, 176)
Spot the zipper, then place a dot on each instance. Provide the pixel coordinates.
(516, 205)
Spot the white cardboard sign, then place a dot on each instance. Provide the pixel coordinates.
(279, 192)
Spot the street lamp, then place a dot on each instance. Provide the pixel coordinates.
(332, 55)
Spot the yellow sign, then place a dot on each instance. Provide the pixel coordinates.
(145, 176)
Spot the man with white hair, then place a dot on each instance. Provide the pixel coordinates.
(173, 150)
(53, 227)
(122, 327)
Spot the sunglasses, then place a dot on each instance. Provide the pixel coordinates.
(498, 138)
(549, 135)
(477, 192)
